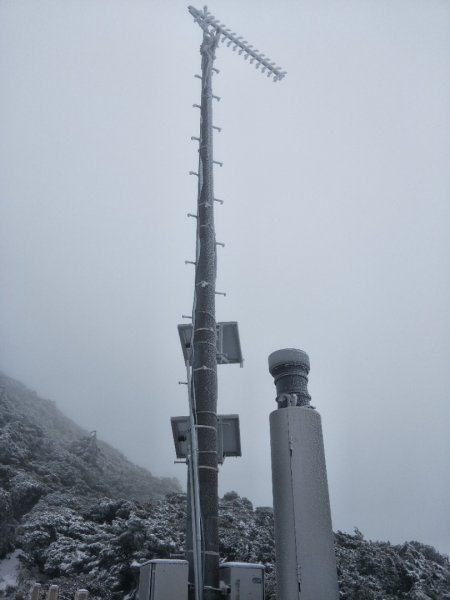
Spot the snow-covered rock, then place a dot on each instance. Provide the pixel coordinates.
(78, 515)
(9, 572)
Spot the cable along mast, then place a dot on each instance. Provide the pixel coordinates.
(206, 343)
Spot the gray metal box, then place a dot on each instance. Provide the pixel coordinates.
(246, 580)
(162, 579)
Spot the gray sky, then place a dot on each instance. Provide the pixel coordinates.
(336, 226)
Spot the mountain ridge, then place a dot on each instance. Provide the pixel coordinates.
(43, 451)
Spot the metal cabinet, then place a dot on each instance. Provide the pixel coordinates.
(245, 580)
(161, 579)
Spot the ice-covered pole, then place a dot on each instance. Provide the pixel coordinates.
(203, 380)
(204, 359)
(305, 560)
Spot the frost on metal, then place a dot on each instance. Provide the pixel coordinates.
(209, 23)
(306, 564)
(203, 535)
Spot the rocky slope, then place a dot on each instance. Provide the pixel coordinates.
(43, 452)
(74, 512)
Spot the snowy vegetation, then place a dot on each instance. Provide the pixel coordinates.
(75, 513)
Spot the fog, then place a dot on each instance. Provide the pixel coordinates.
(336, 224)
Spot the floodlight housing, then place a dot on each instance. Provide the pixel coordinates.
(228, 343)
(228, 436)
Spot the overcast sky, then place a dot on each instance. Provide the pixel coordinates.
(336, 223)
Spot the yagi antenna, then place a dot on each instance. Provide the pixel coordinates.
(211, 25)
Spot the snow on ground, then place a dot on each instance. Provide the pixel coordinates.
(9, 570)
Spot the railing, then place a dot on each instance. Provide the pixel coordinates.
(53, 593)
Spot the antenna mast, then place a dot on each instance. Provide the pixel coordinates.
(202, 366)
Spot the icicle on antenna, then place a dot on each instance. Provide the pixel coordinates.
(211, 25)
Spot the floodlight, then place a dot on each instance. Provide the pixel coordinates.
(228, 436)
(228, 343)
(181, 434)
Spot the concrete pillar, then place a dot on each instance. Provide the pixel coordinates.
(53, 592)
(36, 591)
(81, 595)
(305, 559)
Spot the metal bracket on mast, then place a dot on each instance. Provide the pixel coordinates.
(211, 25)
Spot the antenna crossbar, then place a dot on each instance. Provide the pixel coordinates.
(210, 24)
